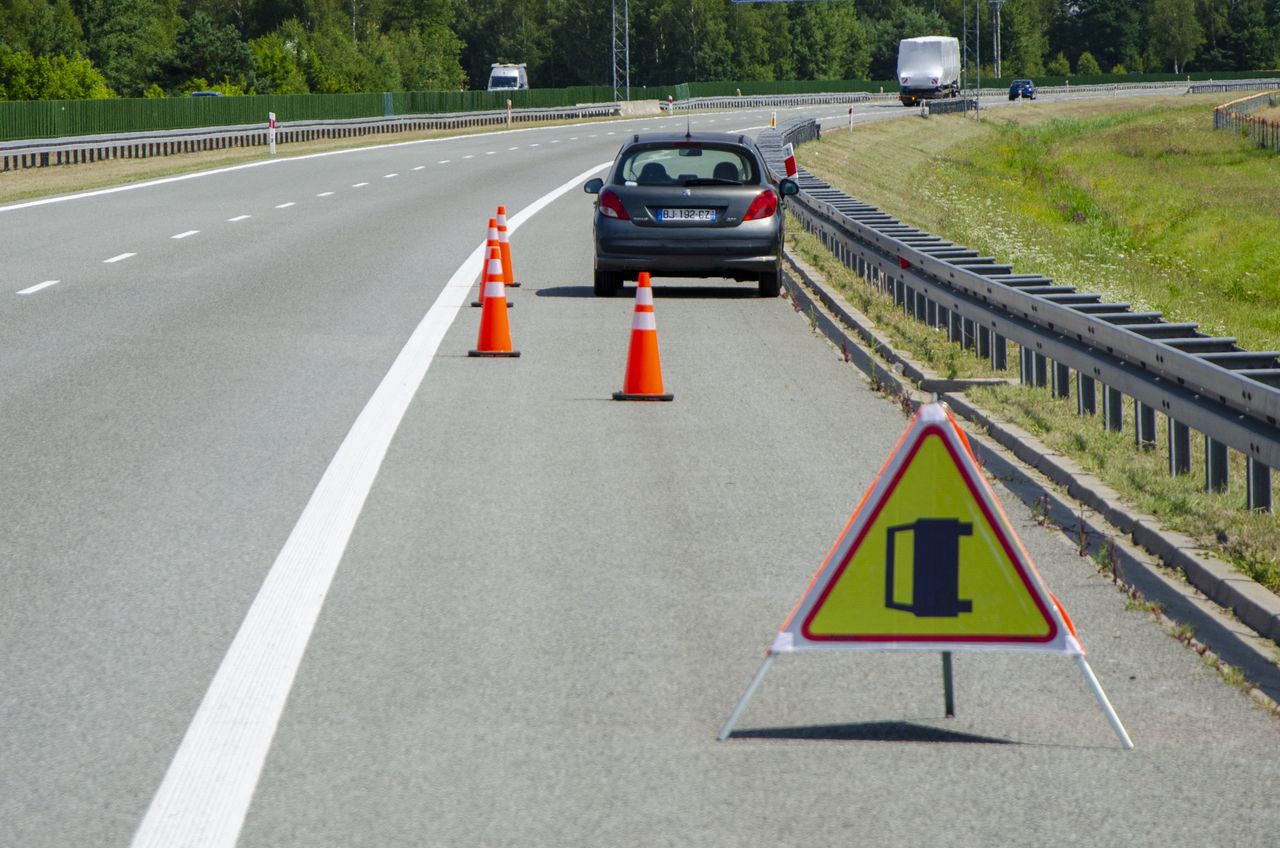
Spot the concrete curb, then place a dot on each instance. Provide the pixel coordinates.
(1164, 566)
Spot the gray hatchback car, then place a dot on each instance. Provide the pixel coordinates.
(691, 205)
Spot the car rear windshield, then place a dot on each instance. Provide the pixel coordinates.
(687, 164)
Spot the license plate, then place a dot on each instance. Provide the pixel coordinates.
(707, 216)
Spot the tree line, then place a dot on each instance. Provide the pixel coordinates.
(70, 49)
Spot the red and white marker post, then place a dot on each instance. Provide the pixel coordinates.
(271, 132)
(789, 159)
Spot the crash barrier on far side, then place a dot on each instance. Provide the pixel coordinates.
(43, 153)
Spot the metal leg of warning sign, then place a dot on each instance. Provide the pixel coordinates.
(1114, 719)
(746, 696)
(948, 686)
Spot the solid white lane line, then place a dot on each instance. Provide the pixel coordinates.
(205, 794)
(120, 258)
(286, 205)
(38, 286)
(358, 185)
(239, 218)
(187, 234)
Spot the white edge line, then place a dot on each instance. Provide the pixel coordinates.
(205, 795)
(38, 286)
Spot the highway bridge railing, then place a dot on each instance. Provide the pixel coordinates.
(42, 153)
(1196, 382)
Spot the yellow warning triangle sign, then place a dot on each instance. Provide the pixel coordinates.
(929, 561)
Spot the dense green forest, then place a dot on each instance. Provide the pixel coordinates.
(51, 49)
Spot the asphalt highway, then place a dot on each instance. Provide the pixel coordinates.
(282, 566)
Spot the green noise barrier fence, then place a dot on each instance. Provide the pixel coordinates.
(62, 118)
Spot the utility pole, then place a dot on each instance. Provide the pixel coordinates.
(977, 58)
(997, 57)
(622, 51)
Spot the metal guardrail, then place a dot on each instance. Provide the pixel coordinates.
(1200, 382)
(47, 152)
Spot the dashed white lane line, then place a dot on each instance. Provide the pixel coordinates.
(555, 141)
(389, 176)
(325, 194)
(120, 258)
(469, 156)
(239, 218)
(207, 790)
(38, 286)
(187, 234)
(535, 144)
(358, 185)
(286, 205)
(490, 152)
(419, 168)
(444, 161)
(573, 138)
(513, 148)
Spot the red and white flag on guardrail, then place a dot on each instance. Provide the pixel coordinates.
(789, 159)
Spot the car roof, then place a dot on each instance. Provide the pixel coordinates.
(696, 137)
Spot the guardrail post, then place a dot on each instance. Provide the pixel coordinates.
(922, 306)
(1144, 431)
(1216, 476)
(1086, 396)
(970, 330)
(1179, 448)
(931, 312)
(1026, 369)
(999, 352)
(1259, 486)
(1061, 380)
(955, 327)
(1112, 409)
(984, 343)
(1041, 370)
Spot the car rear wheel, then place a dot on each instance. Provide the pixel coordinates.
(770, 282)
(607, 283)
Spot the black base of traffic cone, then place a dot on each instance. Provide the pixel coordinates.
(625, 396)
(481, 303)
(493, 353)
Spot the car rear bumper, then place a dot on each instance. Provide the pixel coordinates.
(688, 251)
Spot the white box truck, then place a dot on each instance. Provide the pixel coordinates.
(506, 77)
(928, 68)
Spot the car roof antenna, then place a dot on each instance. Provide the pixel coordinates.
(688, 126)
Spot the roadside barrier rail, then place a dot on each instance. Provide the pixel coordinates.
(1198, 382)
(47, 152)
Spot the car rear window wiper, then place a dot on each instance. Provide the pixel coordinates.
(699, 181)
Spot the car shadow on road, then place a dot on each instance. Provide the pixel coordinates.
(875, 731)
(683, 292)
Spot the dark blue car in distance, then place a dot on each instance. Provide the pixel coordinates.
(1022, 88)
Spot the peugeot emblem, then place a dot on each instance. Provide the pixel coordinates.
(687, 193)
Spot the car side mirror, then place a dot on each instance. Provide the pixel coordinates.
(593, 185)
(788, 187)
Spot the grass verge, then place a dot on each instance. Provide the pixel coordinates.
(1145, 204)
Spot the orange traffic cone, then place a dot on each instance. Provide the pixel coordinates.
(504, 241)
(489, 243)
(495, 334)
(644, 371)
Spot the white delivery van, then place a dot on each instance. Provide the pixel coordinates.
(508, 77)
(928, 68)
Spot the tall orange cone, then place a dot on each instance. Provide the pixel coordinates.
(504, 240)
(490, 242)
(494, 338)
(644, 370)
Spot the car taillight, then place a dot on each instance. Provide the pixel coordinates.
(611, 206)
(764, 206)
